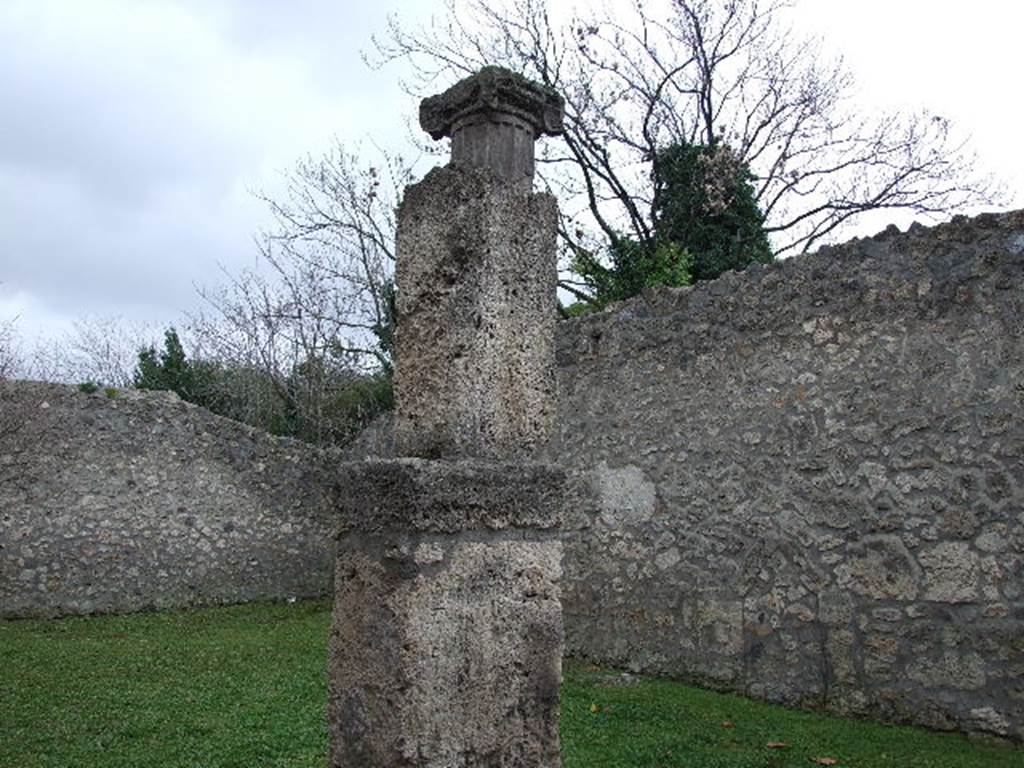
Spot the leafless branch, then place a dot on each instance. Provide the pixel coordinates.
(642, 78)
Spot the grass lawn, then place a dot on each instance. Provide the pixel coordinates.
(244, 686)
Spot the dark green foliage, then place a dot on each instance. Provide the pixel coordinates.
(88, 387)
(194, 381)
(705, 222)
(166, 370)
(704, 201)
(243, 394)
(634, 266)
(317, 402)
(577, 309)
(361, 400)
(321, 405)
(245, 686)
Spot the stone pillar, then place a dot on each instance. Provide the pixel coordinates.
(476, 279)
(447, 642)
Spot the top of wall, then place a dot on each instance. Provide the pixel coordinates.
(54, 429)
(928, 271)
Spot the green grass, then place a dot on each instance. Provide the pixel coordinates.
(659, 723)
(240, 686)
(244, 686)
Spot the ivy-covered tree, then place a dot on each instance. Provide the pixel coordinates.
(706, 222)
(704, 202)
(641, 76)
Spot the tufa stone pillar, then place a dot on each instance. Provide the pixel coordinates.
(446, 649)
(476, 279)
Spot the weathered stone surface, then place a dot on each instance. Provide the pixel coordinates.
(987, 720)
(413, 495)
(493, 118)
(881, 568)
(952, 572)
(841, 433)
(627, 497)
(769, 427)
(834, 443)
(476, 296)
(493, 89)
(950, 670)
(137, 500)
(447, 642)
(446, 648)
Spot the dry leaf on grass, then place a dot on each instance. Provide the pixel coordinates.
(824, 761)
(776, 745)
(728, 724)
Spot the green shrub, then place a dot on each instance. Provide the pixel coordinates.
(704, 202)
(705, 222)
(634, 266)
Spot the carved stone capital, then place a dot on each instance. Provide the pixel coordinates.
(494, 92)
(494, 119)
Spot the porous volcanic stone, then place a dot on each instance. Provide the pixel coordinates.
(414, 495)
(493, 118)
(447, 638)
(476, 278)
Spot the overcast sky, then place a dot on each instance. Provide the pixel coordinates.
(132, 132)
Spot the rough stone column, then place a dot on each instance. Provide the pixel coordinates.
(446, 650)
(476, 277)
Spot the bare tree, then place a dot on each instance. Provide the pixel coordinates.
(643, 77)
(328, 261)
(98, 349)
(318, 311)
(9, 353)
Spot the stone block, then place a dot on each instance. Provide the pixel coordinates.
(447, 638)
(880, 568)
(477, 308)
(951, 573)
(951, 670)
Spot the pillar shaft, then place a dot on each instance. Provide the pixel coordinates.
(477, 311)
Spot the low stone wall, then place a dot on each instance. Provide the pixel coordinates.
(807, 480)
(122, 501)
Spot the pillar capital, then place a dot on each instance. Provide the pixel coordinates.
(493, 118)
(493, 93)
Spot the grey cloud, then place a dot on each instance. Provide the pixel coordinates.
(130, 131)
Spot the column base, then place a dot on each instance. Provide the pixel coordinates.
(446, 648)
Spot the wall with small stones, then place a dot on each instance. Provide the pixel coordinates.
(123, 501)
(805, 482)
